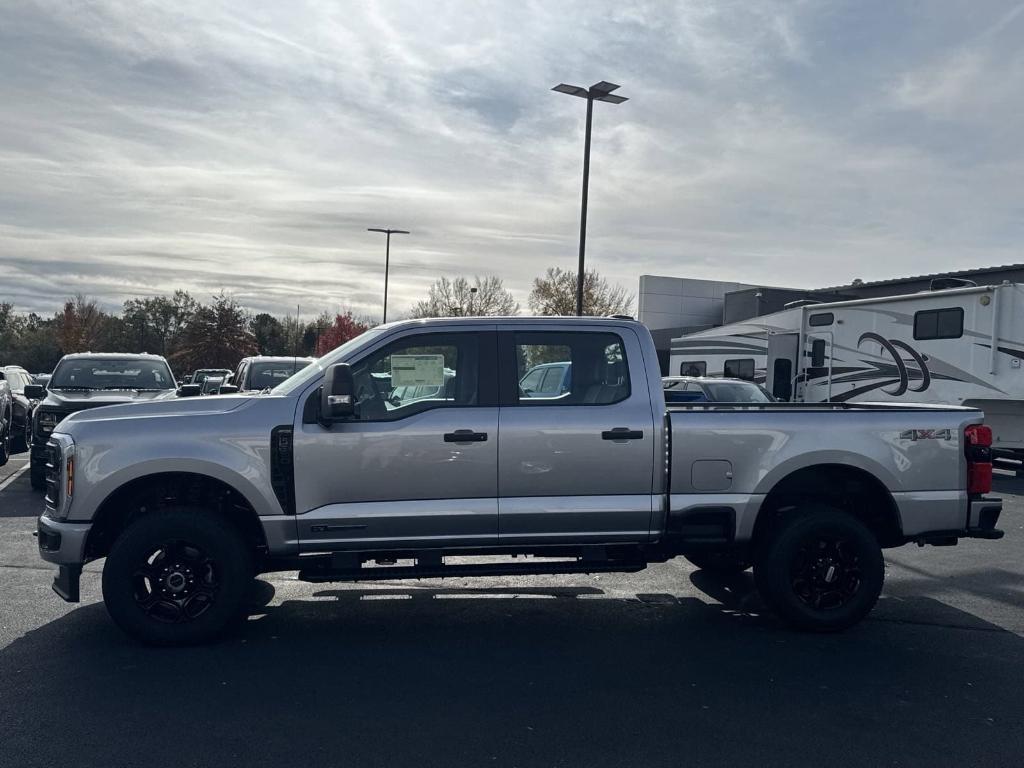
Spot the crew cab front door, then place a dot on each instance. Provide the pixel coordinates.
(576, 463)
(417, 465)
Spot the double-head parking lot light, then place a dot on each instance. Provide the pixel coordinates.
(601, 91)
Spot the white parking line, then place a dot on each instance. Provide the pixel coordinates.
(14, 476)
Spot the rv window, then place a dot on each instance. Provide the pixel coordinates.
(818, 353)
(822, 318)
(782, 386)
(693, 368)
(939, 324)
(740, 369)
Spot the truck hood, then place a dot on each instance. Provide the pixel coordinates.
(76, 400)
(164, 406)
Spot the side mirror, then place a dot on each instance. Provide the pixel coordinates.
(189, 390)
(227, 389)
(337, 397)
(35, 391)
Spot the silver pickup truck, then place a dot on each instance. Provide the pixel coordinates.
(416, 442)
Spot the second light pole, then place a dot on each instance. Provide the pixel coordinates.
(387, 260)
(601, 91)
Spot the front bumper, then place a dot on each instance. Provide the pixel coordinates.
(63, 544)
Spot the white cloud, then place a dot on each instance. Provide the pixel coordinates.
(146, 147)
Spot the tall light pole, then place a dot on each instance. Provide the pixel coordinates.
(601, 91)
(387, 260)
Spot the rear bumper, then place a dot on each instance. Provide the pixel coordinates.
(983, 517)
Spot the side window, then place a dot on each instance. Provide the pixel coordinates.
(939, 324)
(416, 374)
(820, 319)
(740, 369)
(592, 368)
(693, 368)
(530, 383)
(552, 383)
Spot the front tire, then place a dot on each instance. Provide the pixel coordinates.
(178, 576)
(821, 571)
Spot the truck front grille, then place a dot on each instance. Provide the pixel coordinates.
(53, 464)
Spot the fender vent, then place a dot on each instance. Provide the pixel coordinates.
(282, 470)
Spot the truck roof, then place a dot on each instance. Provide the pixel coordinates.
(514, 320)
(111, 356)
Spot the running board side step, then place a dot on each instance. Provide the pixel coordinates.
(434, 568)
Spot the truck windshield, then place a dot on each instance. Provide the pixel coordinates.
(735, 392)
(266, 375)
(99, 373)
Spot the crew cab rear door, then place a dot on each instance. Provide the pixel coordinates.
(417, 467)
(576, 464)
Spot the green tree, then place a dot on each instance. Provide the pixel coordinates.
(155, 324)
(555, 294)
(216, 336)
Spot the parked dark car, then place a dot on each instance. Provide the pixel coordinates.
(261, 372)
(707, 389)
(90, 380)
(6, 419)
(21, 406)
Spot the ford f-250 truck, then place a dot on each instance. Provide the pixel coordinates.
(343, 472)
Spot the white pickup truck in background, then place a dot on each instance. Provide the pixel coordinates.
(416, 441)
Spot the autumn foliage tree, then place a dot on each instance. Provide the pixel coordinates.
(344, 327)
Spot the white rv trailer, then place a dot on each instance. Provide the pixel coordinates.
(961, 346)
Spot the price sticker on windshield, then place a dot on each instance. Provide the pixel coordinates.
(417, 370)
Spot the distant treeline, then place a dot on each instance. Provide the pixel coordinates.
(188, 333)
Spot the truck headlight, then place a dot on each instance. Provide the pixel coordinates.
(47, 421)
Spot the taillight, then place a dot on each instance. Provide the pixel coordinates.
(978, 450)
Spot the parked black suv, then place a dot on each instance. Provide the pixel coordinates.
(89, 380)
(22, 405)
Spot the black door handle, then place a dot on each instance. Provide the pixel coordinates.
(622, 433)
(465, 436)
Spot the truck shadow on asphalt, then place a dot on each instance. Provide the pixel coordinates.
(447, 676)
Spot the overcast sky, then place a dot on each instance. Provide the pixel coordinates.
(150, 146)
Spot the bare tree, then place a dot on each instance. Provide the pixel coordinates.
(555, 294)
(455, 298)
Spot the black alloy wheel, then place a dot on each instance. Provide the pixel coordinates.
(177, 582)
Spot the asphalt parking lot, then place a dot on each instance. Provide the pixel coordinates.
(663, 667)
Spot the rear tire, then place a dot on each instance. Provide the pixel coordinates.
(821, 571)
(178, 576)
(725, 563)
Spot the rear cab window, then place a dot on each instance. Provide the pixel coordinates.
(569, 368)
